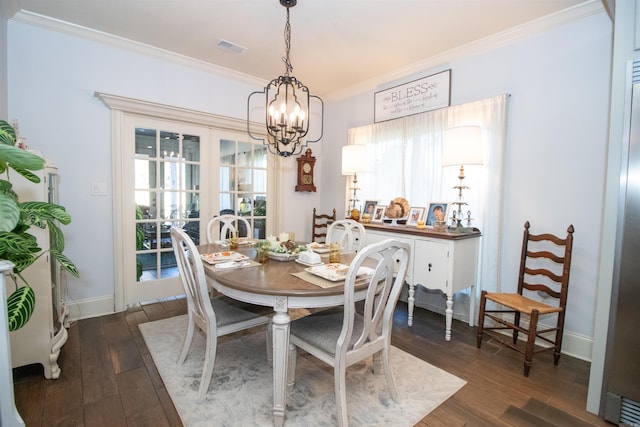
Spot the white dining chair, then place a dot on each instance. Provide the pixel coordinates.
(213, 316)
(227, 225)
(348, 233)
(342, 336)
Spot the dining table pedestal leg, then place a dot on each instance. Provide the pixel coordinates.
(281, 322)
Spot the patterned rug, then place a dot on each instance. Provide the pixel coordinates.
(241, 390)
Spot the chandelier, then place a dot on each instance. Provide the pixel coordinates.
(287, 105)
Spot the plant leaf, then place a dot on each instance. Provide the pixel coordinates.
(40, 212)
(20, 306)
(9, 213)
(30, 176)
(21, 262)
(7, 188)
(66, 263)
(21, 159)
(57, 237)
(7, 134)
(17, 243)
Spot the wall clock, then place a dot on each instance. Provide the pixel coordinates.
(306, 163)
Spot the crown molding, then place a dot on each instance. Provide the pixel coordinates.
(483, 45)
(439, 61)
(137, 47)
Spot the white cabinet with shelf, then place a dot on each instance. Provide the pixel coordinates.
(40, 340)
(439, 260)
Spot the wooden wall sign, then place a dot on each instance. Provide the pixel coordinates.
(425, 94)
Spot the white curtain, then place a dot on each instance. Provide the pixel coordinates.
(405, 161)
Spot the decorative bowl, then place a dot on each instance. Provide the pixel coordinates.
(282, 256)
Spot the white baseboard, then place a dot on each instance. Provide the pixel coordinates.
(92, 307)
(573, 345)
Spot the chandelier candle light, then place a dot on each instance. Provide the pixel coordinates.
(354, 160)
(462, 146)
(287, 105)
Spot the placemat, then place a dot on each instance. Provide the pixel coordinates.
(323, 283)
(318, 281)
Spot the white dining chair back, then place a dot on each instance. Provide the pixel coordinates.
(222, 227)
(213, 316)
(342, 336)
(348, 233)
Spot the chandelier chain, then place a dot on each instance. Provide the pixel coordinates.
(287, 43)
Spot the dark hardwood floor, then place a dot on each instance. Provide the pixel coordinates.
(109, 379)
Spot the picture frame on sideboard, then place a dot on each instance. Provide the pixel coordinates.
(370, 207)
(430, 217)
(415, 215)
(378, 213)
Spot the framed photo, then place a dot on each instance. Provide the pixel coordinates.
(435, 210)
(378, 213)
(370, 207)
(415, 215)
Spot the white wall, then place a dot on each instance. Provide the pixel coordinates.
(555, 156)
(3, 66)
(53, 78)
(556, 149)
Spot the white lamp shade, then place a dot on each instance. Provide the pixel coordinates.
(462, 146)
(354, 159)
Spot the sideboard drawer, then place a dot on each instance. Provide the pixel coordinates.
(431, 266)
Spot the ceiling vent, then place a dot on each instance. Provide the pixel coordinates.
(231, 47)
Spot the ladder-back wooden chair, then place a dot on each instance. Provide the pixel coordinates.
(543, 284)
(343, 336)
(320, 225)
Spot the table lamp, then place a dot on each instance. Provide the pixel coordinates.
(354, 160)
(462, 145)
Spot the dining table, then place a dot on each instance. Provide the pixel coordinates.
(280, 285)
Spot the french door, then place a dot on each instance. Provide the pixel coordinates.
(174, 167)
(166, 182)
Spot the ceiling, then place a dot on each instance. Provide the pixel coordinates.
(335, 44)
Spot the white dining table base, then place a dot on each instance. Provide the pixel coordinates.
(280, 328)
(280, 338)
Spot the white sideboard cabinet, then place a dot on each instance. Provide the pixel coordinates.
(40, 340)
(440, 260)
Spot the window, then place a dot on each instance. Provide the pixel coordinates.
(405, 161)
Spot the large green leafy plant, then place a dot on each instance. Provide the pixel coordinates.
(17, 218)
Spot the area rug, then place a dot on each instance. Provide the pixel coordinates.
(241, 390)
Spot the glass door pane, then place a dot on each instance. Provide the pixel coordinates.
(243, 183)
(167, 182)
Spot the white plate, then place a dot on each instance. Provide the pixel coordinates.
(231, 264)
(282, 256)
(335, 272)
(217, 257)
(319, 248)
(308, 264)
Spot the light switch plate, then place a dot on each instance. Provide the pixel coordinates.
(98, 189)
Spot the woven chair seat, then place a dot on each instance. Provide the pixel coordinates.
(522, 304)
